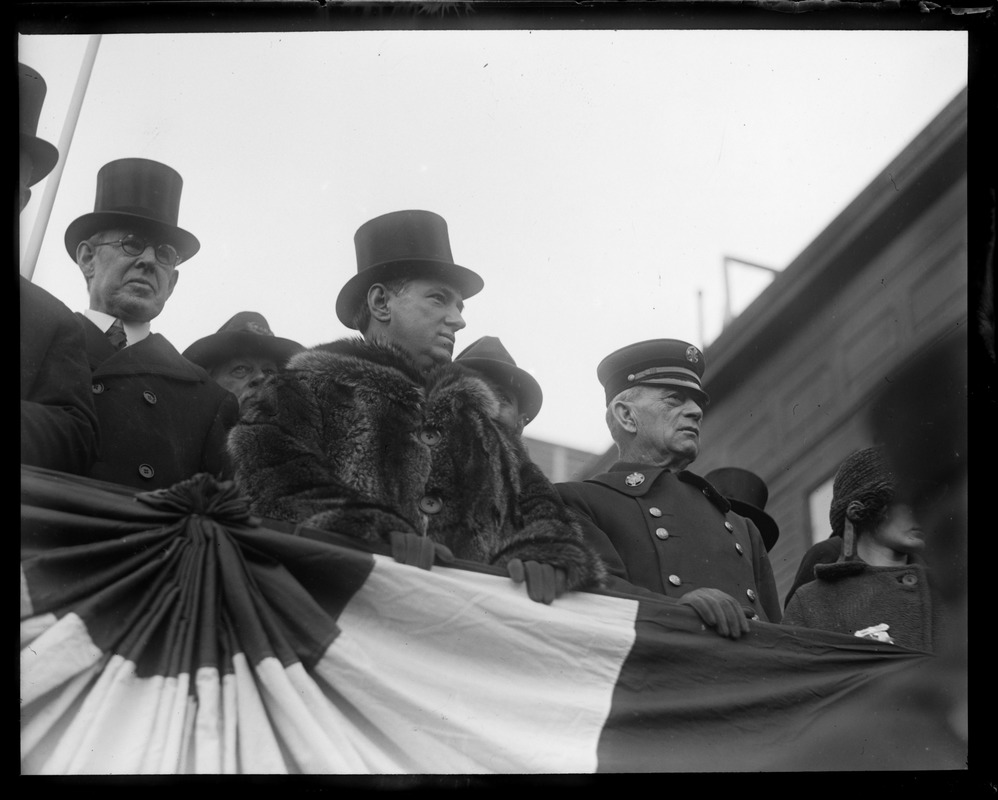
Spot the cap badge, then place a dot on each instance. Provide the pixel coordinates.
(692, 354)
(634, 479)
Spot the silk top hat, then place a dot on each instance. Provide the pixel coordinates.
(747, 494)
(402, 244)
(656, 362)
(487, 355)
(247, 333)
(31, 90)
(136, 194)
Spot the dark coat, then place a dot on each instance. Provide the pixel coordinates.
(352, 438)
(826, 551)
(850, 595)
(58, 420)
(162, 418)
(672, 533)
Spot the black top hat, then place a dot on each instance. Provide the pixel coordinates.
(656, 362)
(246, 333)
(402, 244)
(487, 355)
(136, 193)
(31, 89)
(747, 494)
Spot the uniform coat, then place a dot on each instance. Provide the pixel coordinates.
(352, 438)
(672, 533)
(58, 420)
(849, 595)
(162, 418)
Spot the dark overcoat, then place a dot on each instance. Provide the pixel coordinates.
(58, 420)
(162, 418)
(672, 533)
(351, 437)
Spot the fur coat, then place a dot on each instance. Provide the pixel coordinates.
(352, 438)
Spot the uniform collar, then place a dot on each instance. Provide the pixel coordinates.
(635, 480)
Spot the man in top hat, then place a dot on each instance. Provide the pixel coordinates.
(519, 394)
(656, 524)
(385, 439)
(243, 354)
(162, 418)
(58, 421)
(748, 494)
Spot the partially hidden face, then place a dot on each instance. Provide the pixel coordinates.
(900, 530)
(425, 316)
(133, 288)
(243, 375)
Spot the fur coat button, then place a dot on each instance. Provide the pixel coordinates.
(430, 504)
(429, 436)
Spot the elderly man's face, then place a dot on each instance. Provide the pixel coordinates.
(668, 422)
(132, 288)
(425, 316)
(243, 375)
(509, 408)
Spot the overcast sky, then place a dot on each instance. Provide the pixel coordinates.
(595, 179)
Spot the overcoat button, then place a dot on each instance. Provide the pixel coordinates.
(738, 547)
(655, 512)
(429, 436)
(674, 580)
(909, 579)
(97, 388)
(149, 397)
(146, 471)
(729, 526)
(751, 594)
(661, 533)
(430, 504)
(706, 492)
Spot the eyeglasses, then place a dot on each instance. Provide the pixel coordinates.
(166, 254)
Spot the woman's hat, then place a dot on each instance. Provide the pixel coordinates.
(748, 494)
(488, 356)
(247, 333)
(31, 89)
(402, 244)
(136, 194)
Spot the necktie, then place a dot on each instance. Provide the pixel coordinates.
(116, 335)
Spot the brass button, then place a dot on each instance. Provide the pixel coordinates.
(729, 526)
(429, 436)
(661, 533)
(674, 580)
(149, 397)
(430, 504)
(655, 512)
(146, 471)
(738, 547)
(97, 388)
(751, 594)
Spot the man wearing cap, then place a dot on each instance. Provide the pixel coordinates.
(162, 418)
(385, 439)
(58, 421)
(243, 354)
(656, 524)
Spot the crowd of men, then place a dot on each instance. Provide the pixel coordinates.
(388, 437)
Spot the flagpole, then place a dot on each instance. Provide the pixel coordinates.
(52, 184)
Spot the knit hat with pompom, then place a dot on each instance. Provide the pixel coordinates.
(864, 477)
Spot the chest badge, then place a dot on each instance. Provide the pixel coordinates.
(634, 479)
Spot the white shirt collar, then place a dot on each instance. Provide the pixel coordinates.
(135, 331)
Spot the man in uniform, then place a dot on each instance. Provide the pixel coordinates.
(657, 525)
(58, 421)
(243, 354)
(162, 419)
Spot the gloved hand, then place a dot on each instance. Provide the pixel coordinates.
(416, 550)
(719, 610)
(544, 582)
